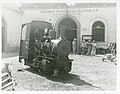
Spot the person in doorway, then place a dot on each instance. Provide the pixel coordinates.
(94, 48)
(83, 47)
(89, 46)
(74, 44)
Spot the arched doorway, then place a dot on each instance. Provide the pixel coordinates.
(98, 31)
(72, 26)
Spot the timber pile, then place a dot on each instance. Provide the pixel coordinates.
(112, 48)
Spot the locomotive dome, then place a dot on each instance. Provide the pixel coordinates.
(61, 47)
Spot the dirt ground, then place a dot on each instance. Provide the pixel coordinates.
(88, 73)
(7, 55)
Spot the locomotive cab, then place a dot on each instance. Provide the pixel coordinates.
(42, 51)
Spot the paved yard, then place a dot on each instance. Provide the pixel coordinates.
(88, 73)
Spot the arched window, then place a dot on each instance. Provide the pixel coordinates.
(98, 31)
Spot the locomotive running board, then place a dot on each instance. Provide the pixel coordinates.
(49, 58)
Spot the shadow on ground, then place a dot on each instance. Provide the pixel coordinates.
(70, 78)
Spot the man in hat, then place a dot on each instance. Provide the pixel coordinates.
(74, 44)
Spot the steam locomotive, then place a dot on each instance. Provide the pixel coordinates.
(40, 49)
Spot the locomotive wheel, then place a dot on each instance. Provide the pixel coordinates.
(65, 69)
(33, 68)
(62, 72)
(49, 70)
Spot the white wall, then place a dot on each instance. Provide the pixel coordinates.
(13, 19)
(85, 18)
(106, 15)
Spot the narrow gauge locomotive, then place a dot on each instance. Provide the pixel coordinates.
(40, 50)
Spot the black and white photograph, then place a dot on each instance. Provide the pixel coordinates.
(59, 46)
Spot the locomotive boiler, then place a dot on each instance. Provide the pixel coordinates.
(41, 51)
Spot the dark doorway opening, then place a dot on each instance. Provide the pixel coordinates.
(70, 27)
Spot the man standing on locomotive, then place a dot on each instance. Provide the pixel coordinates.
(46, 42)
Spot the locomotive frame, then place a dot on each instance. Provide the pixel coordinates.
(42, 53)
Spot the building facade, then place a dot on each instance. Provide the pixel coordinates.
(96, 19)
